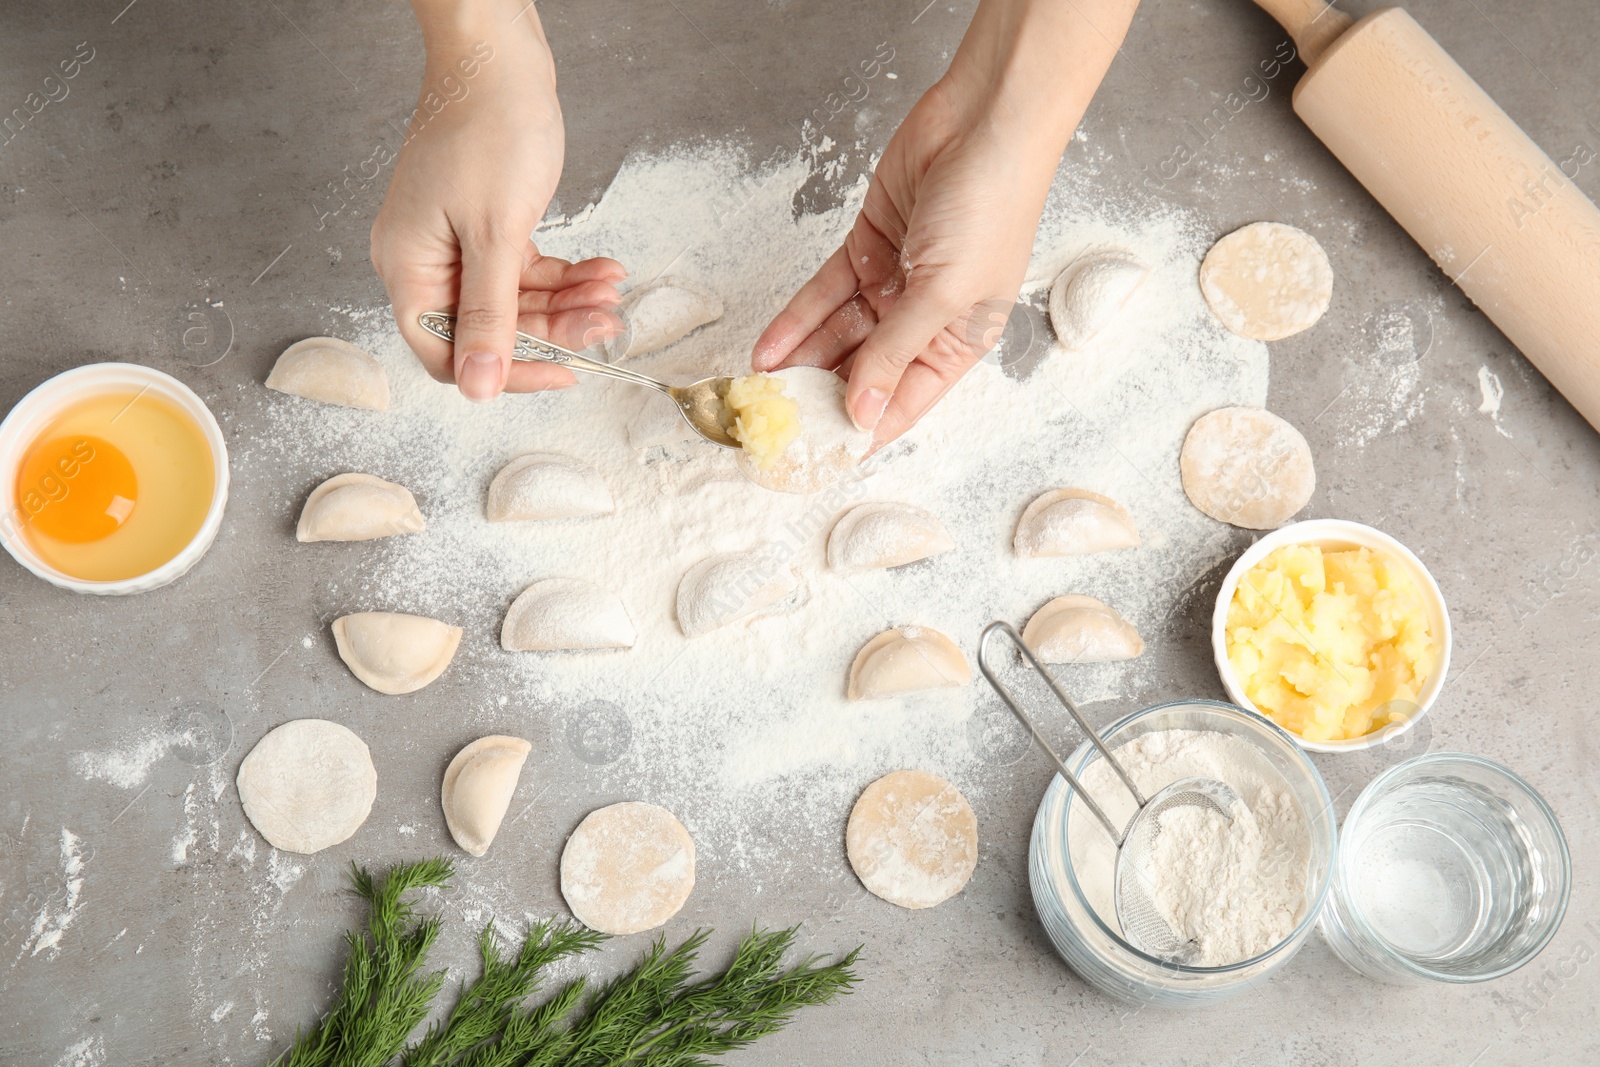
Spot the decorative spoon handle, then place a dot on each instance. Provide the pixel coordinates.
(533, 350)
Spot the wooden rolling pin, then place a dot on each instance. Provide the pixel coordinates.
(1497, 215)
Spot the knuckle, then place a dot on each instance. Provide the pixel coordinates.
(485, 319)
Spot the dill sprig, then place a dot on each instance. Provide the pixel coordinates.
(654, 1015)
(381, 999)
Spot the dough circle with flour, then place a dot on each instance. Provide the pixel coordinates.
(912, 839)
(1247, 467)
(829, 447)
(307, 785)
(1267, 281)
(626, 868)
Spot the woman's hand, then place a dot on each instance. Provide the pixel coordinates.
(922, 287)
(471, 183)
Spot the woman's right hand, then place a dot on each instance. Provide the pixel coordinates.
(472, 181)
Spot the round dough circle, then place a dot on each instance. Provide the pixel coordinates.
(626, 868)
(912, 839)
(307, 785)
(1267, 281)
(1248, 467)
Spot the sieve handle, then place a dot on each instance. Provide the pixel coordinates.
(1066, 702)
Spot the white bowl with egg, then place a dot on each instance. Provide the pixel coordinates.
(1335, 535)
(36, 411)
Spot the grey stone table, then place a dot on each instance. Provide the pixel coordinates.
(190, 161)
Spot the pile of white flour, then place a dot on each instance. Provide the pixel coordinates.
(741, 726)
(1234, 888)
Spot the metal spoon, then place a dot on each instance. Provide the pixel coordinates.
(1141, 922)
(701, 403)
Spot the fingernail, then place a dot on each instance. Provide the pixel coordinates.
(479, 377)
(868, 408)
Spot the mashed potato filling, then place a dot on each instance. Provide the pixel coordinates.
(765, 421)
(1332, 645)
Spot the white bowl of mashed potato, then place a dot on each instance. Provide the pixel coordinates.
(1333, 630)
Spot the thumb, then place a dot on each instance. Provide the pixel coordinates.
(486, 317)
(901, 335)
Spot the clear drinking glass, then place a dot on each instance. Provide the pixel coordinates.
(1450, 869)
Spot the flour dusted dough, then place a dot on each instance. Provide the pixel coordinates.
(1267, 281)
(1248, 467)
(905, 660)
(1073, 522)
(660, 313)
(829, 448)
(885, 533)
(1090, 292)
(332, 371)
(912, 839)
(358, 507)
(395, 653)
(1081, 629)
(547, 485)
(626, 868)
(566, 614)
(477, 789)
(730, 586)
(307, 785)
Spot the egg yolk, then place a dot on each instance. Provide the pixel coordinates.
(77, 489)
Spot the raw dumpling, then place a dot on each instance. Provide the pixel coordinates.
(885, 533)
(904, 660)
(829, 449)
(1248, 467)
(1081, 629)
(1267, 281)
(358, 507)
(547, 485)
(912, 839)
(730, 586)
(332, 371)
(1073, 522)
(308, 784)
(566, 613)
(395, 653)
(626, 868)
(477, 789)
(660, 313)
(1091, 290)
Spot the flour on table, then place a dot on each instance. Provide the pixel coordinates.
(62, 906)
(790, 752)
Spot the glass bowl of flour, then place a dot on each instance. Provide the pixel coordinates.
(1246, 893)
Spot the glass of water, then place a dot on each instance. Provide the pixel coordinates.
(1450, 869)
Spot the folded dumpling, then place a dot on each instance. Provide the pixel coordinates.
(730, 586)
(885, 533)
(332, 371)
(477, 789)
(547, 485)
(1081, 629)
(1074, 522)
(395, 653)
(566, 613)
(904, 660)
(358, 507)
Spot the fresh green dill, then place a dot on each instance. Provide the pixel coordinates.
(655, 1015)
